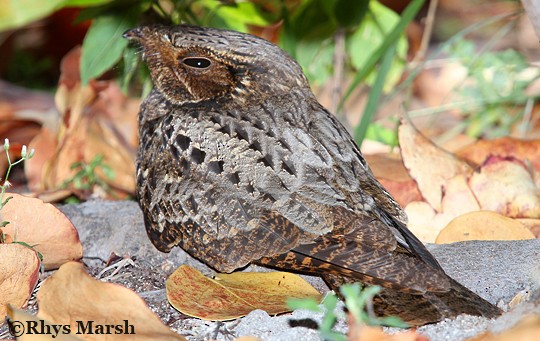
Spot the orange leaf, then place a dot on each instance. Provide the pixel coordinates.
(483, 225)
(45, 145)
(479, 151)
(229, 296)
(428, 164)
(19, 274)
(72, 297)
(43, 225)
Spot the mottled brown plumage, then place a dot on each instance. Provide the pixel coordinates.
(239, 163)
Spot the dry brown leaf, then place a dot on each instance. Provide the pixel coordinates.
(97, 119)
(528, 329)
(71, 295)
(483, 225)
(44, 144)
(479, 151)
(391, 173)
(23, 319)
(229, 296)
(506, 186)
(19, 274)
(428, 164)
(44, 227)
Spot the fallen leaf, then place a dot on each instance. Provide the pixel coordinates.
(505, 185)
(479, 151)
(527, 329)
(532, 224)
(44, 144)
(373, 333)
(458, 197)
(19, 275)
(44, 227)
(96, 120)
(229, 296)
(483, 225)
(391, 173)
(430, 166)
(72, 297)
(20, 319)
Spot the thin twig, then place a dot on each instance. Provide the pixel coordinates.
(426, 36)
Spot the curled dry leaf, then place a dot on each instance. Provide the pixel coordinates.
(229, 296)
(71, 295)
(457, 199)
(483, 225)
(44, 227)
(19, 274)
(505, 185)
(97, 119)
(24, 319)
(428, 164)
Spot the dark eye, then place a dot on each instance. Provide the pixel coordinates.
(199, 63)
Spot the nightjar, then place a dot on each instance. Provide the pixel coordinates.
(239, 163)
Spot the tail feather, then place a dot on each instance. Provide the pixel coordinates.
(429, 307)
(414, 288)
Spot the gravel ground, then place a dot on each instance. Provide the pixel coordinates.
(496, 271)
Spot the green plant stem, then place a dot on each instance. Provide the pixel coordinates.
(3, 187)
(374, 95)
(406, 17)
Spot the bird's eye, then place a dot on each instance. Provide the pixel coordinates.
(199, 63)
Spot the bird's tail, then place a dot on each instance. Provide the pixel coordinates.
(423, 308)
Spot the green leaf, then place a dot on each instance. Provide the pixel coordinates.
(86, 3)
(406, 17)
(374, 96)
(350, 13)
(303, 303)
(237, 16)
(365, 41)
(16, 13)
(103, 45)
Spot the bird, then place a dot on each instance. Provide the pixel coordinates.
(239, 163)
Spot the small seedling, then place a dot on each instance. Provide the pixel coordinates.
(358, 302)
(25, 155)
(87, 177)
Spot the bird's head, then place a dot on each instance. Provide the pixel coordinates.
(190, 64)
